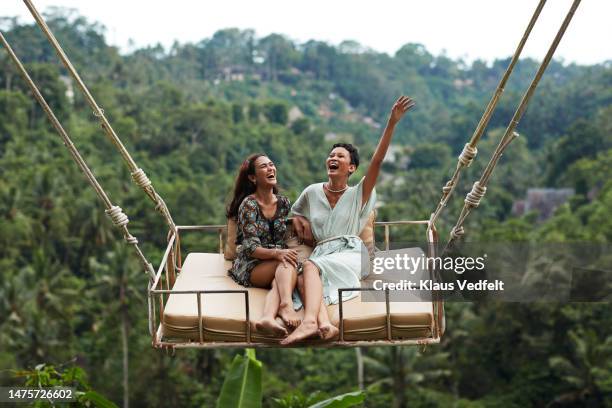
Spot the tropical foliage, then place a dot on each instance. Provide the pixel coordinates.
(191, 113)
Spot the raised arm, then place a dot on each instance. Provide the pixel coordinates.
(400, 107)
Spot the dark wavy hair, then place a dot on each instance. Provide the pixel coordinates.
(353, 151)
(243, 186)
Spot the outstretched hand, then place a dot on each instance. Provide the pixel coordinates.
(400, 107)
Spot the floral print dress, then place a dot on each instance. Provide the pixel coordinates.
(255, 230)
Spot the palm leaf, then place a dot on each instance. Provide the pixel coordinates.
(341, 401)
(98, 400)
(242, 385)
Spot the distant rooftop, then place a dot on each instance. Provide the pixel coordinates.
(543, 200)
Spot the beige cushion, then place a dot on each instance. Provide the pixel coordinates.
(223, 315)
(230, 240)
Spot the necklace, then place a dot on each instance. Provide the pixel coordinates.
(335, 191)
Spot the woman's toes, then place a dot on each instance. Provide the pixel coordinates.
(289, 316)
(304, 331)
(271, 326)
(328, 331)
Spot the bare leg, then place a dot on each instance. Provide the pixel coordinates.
(327, 330)
(263, 276)
(268, 323)
(300, 286)
(286, 277)
(312, 304)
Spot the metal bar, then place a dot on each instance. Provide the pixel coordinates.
(200, 329)
(161, 304)
(179, 255)
(166, 275)
(318, 344)
(388, 312)
(417, 222)
(248, 316)
(386, 237)
(172, 291)
(162, 264)
(214, 227)
(170, 264)
(157, 338)
(437, 305)
(151, 309)
(200, 227)
(340, 316)
(220, 240)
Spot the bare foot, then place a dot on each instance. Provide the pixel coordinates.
(289, 316)
(267, 325)
(304, 330)
(328, 331)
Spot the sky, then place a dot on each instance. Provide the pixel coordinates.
(468, 29)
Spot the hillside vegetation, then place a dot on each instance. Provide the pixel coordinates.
(192, 113)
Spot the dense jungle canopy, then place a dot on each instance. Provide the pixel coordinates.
(70, 290)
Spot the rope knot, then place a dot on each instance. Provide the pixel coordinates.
(473, 197)
(467, 155)
(448, 187)
(117, 215)
(141, 178)
(457, 232)
(130, 239)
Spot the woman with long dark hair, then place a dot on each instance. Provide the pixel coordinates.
(263, 259)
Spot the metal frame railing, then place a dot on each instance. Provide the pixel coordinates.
(171, 264)
(341, 313)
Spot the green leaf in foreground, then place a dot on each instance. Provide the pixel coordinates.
(98, 400)
(242, 385)
(341, 401)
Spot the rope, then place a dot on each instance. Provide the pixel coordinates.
(467, 155)
(98, 112)
(117, 215)
(141, 179)
(457, 232)
(114, 212)
(469, 151)
(472, 200)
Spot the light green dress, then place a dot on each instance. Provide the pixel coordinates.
(340, 255)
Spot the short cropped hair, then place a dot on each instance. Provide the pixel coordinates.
(353, 151)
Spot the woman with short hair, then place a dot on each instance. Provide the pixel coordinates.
(337, 213)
